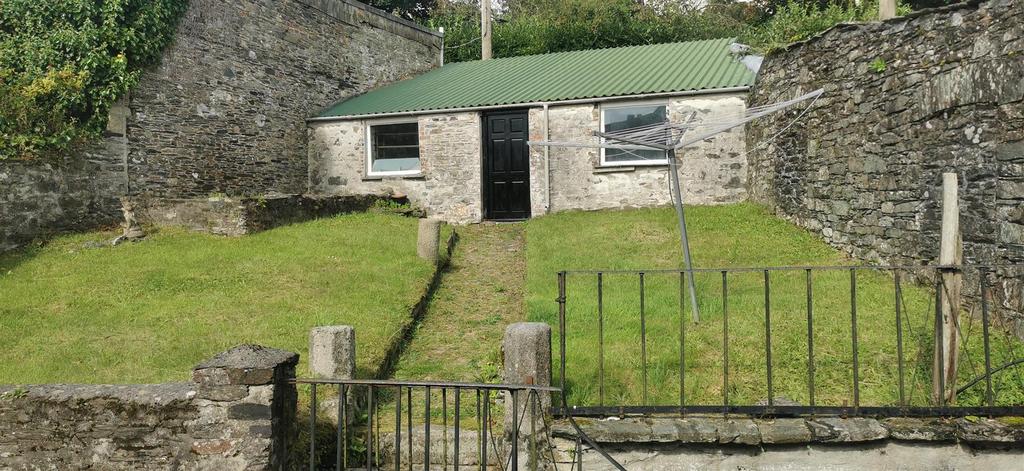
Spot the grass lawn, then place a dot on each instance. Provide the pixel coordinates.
(149, 311)
(740, 235)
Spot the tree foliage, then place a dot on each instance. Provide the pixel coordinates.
(63, 63)
(542, 26)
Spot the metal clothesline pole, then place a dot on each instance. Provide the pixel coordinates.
(684, 241)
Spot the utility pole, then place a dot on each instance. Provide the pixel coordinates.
(886, 9)
(485, 29)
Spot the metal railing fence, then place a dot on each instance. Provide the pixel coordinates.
(623, 341)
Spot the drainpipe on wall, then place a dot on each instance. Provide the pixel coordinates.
(547, 163)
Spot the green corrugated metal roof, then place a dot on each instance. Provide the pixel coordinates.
(621, 71)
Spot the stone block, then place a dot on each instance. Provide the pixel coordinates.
(837, 429)
(428, 239)
(526, 347)
(332, 351)
(246, 365)
(782, 431)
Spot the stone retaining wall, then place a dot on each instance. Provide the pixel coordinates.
(239, 216)
(905, 100)
(798, 443)
(237, 413)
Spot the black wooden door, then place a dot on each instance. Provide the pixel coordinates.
(506, 165)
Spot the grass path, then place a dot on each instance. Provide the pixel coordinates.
(480, 294)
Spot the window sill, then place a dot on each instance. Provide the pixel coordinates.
(614, 168)
(377, 178)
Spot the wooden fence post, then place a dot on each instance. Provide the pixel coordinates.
(951, 281)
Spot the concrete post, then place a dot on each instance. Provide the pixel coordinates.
(428, 239)
(886, 9)
(527, 352)
(332, 351)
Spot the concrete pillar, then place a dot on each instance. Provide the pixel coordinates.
(527, 351)
(428, 239)
(332, 351)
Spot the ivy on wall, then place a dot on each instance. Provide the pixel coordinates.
(63, 63)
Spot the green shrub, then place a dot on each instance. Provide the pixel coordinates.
(63, 63)
(542, 26)
(798, 20)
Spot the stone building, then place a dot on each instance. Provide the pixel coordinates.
(223, 113)
(455, 140)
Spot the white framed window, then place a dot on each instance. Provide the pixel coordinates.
(619, 116)
(393, 148)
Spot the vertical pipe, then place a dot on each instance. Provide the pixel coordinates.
(899, 337)
(643, 338)
(312, 427)
(853, 334)
(600, 337)
(561, 335)
(682, 342)
(989, 397)
(426, 430)
(342, 458)
(725, 340)
(768, 338)
(515, 430)
(547, 160)
(398, 431)
(810, 338)
(458, 435)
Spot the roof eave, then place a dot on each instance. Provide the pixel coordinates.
(707, 91)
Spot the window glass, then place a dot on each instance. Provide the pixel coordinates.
(624, 117)
(394, 148)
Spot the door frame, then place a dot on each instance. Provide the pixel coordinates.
(485, 165)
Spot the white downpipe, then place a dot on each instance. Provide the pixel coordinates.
(547, 162)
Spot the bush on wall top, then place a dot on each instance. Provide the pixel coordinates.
(63, 63)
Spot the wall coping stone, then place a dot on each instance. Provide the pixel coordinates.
(160, 395)
(252, 365)
(746, 431)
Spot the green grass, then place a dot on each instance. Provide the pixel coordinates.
(741, 235)
(149, 311)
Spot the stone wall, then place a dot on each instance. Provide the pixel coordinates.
(450, 183)
(38, 199)
(225, 110)
(222, 114)
(941, 93)
(237, 413)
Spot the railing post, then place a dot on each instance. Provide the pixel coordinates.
(810, 339)
(561, 335)
(989, 396)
